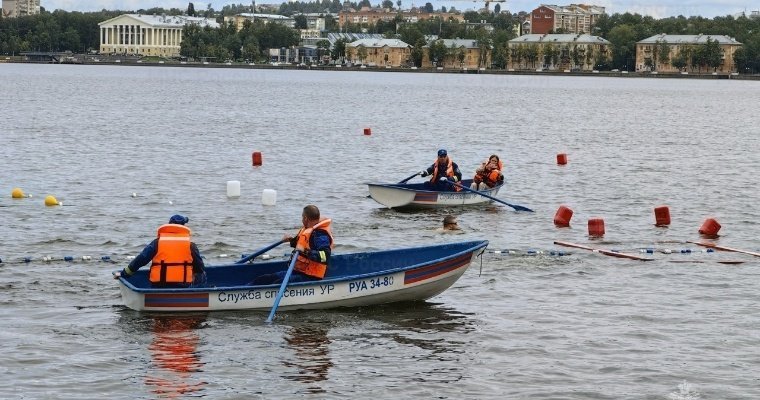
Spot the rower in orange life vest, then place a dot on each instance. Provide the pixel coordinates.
(443, 172)
(175, 260)
(313, 246)
(489, 174)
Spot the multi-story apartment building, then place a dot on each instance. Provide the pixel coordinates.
(371, 16)
(20, 8)
(379, 52)
(239, 19)
(147, 35)
(462, 53)
(558, 52)
(661, 52)
(574, 18)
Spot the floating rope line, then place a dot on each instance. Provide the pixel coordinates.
(561, 253)
(111, 259)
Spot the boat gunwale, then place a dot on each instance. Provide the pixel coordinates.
(474, 246)
(401, 186)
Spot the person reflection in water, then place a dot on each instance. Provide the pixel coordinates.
(312, 359)
(175, 360)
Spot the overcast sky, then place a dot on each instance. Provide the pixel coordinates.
(655, 8)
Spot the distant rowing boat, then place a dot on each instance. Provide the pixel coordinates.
(352, 280)
(416, 195)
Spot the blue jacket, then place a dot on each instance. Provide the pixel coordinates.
(146, 256)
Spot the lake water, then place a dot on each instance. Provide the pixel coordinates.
(517, 325)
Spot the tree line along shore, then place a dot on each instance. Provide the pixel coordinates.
(78, 32)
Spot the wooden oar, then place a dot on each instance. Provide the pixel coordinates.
(605, 252)
(515, 206)
(716, 247)
(282, 287)
(258, 253)
(408, 178)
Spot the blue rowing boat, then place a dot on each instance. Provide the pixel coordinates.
(416, 195)
(352, 280)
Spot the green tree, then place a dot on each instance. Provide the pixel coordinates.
(388, 4)
(531, 54)
(300, 21)
(418, 52)
(437, 52)
(623, 41)
(361, 52)
(323, 48)
(550, 55)
(191, 9)
(339, 50)
(713, 53)
(679, 61)
(664, 50)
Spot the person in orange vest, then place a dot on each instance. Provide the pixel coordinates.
(489, 174)
(313, 245)
(175, 260)
(442, 172)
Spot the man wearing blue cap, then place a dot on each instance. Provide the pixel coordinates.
(175, 260)
(442, 172)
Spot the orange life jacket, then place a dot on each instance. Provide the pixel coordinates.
(306, 265)
(173, 262)
(489, 175)
(449, 172)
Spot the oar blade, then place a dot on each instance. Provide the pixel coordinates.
(515, 206)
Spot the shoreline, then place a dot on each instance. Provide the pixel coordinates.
(617, 74)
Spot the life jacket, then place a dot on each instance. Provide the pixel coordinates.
(173, 262)
(306, 265)
(449, 172)
(489, 175)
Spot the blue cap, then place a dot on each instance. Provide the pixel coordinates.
(178, 219)
(441, 152)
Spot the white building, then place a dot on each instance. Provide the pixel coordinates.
(20, 8)
(147, 35)
(239, 19)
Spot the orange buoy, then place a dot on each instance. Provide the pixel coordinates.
(662, 216)
(256, 158)
(562, 216)
(367, 131)
(596, 227)
(561, 158)
(710, 227)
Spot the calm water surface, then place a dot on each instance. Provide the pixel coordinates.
(516, 325)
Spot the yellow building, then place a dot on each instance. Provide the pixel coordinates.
(379, 52)
(146, 35)
(558, 52)
(676, 53)
(239, 19)
(371, 16)
(461, 54)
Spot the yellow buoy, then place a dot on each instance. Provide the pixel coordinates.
(17, 193)
(51, 201)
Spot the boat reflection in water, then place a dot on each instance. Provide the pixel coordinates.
(309, 343)
(175, 365)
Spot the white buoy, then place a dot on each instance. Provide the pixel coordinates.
(269, 197)
(233, 188)
(134, 194)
